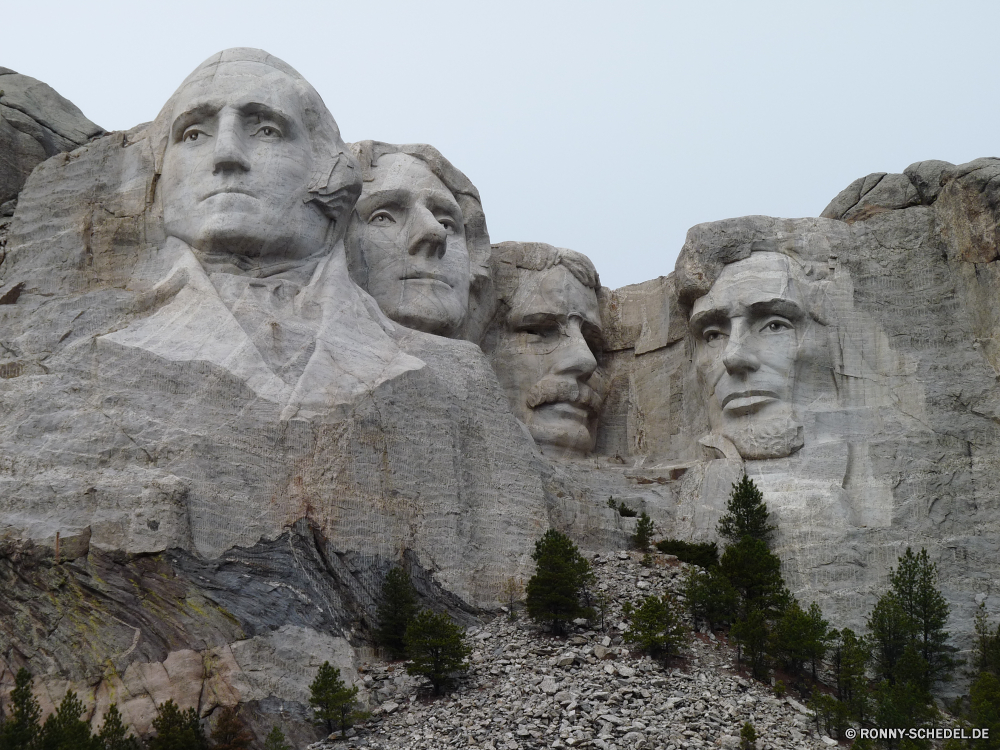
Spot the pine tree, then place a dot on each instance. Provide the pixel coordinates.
(554, 592)
(755, 572)
(914, 584)
(752, 633)
(710, 596)
(850, 662)
(334, 702)
(64, 730)
(21, 731)
(644, 530)
(655, 627)
(229, 732)
(396, 610)
(113, 732)
(889, 632)
(437, 648)
(984, 709)
(177, 730)
(746, 514)
(276, 740)
(986, 652)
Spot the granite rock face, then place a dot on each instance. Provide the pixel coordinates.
(214, 443)
(35, 123)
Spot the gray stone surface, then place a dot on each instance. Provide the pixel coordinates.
(35, 123)
(214, 443)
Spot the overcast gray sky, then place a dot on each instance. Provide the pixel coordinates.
(609, 128)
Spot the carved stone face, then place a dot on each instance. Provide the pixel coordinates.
(237, 166)
(750, 334)
(408, 228)
(546, 359)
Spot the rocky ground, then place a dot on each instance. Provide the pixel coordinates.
(527, 689)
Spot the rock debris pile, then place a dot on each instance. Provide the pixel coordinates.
(527, 689)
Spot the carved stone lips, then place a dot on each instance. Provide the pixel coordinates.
(567, 410)
(425, 276)
(229, 191)
(747, 401)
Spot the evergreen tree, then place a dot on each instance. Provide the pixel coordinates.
(746, 514)
(710, 596)
(276, 740)
(229, 732)
(554, 592)
(914, 584)
(755, 573)
(889, 632)
(334, 702)
(984, 710)
(21, 731)
(850, 662)
(64, 730)
(986, 652)
(113, 733)
(177, 730)
(654, 627)
(905, 702)
(752, 633)
(799, 638)
(643, 533)
(437, 648)
(396, 610)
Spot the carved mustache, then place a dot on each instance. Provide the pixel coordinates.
(558, 391)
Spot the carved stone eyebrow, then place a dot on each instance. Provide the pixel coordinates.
(705, 318)
(188, 117)
(388, 196)
(778, 306)
(267, 111)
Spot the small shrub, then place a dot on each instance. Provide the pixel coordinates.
(513, 592)
(702, 554)
(643, 533)
(555, 592)
(334, 702)
(276, 740)
(748, 737)
(437, 648)
(655, 627)
(229, 732)
(646, 561)
(622, 508)
(780, 689)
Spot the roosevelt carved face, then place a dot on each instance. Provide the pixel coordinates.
(237, 165)
(408, 231)
(753, 339)
(547, 359)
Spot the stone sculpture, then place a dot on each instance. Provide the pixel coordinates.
(215, 443)
(255, 184)
(547, 343)
(417, 240)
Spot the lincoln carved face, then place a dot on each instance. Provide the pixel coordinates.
(753, 337)
(408, 231)
(547, 359)
(237, 166)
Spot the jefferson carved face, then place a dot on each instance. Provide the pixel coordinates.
(408, 229)
(237, 166)
(547, 359)
(752, 337)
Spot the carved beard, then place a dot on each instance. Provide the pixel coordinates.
(756, 438)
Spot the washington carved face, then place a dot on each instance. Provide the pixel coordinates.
(237, 165)
(750, 333)
(408, 229)
(547, 359)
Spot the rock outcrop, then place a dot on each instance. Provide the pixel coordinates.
(35, 123)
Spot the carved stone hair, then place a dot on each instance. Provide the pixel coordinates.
(334, 181)
(511, 257)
